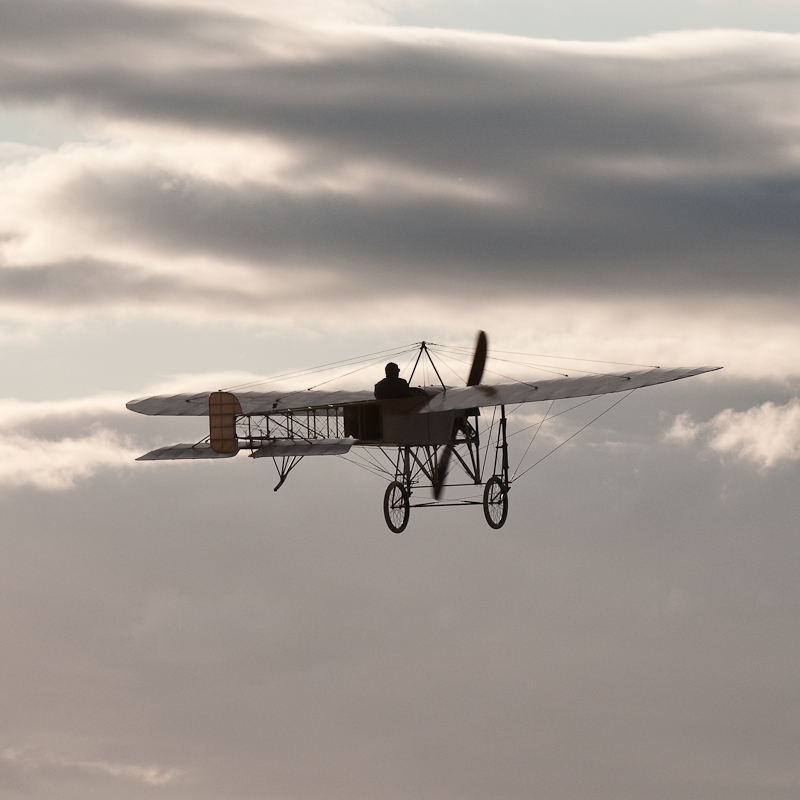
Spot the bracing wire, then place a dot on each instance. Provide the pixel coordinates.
(408, 363)
(466, 350)
(339, 377)
(366, 467)
(613, 405)
(543, 367)
(353, 372)
(585, 360)
(331, 365)
(533, 438)
(560, 413)
(368, 454)
(499, 374)
(444, 362)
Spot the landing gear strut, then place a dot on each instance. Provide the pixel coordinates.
(420, 463)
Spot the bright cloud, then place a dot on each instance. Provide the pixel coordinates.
(766, 435)
(51, 445)
(149, 775)
(17, 413)
(58, 464)
(241, 163)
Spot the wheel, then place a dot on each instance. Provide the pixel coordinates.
(495, 503)
(395, 507)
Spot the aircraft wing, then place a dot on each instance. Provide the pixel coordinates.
(554, 388)
(451, 399)
(196, 405)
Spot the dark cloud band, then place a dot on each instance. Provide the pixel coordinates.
(435, 162)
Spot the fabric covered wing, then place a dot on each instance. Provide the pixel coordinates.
(555, 388)
(181, 451)
(196, 405)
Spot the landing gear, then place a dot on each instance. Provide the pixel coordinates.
(495, 503)
(495, 494)
(396, 507)
(427, 464)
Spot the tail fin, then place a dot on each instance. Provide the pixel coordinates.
(223, 408)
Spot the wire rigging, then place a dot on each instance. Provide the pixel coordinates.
(560, 414)
(331, 365)
(466, 350)
(544, 367)
(533, 438)
(352, 372)
(569, 438)
(423, 352)
(499, 374)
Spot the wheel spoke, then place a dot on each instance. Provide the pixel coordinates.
(495, 502)
(396, 507)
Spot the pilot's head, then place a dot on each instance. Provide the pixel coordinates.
(392, 370)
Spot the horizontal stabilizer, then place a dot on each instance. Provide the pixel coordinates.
(179, 451)
(304, 447)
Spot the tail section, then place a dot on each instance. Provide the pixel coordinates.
(223, 408)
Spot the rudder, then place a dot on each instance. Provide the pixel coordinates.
(223, 408)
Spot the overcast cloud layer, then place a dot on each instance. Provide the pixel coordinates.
(195, 193)
(176, 630)
(251, 165)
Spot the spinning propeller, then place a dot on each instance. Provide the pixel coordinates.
(475, 375)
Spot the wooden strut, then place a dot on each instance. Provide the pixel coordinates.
(502, 447)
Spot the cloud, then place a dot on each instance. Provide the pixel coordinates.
(331, 183)
(54, 465)
(18, 413)
(52, 445)
(241, 161)
(150, 775)
(765, 435)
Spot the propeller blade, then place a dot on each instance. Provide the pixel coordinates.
(475, 375)
(478, 360)
(441, 471)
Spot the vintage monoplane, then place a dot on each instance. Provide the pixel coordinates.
(422, 433)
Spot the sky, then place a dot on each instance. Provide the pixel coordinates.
(198, 193)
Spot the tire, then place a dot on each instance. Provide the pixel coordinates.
(396, 507)
(495, 503)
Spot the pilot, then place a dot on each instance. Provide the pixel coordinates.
(392, 386)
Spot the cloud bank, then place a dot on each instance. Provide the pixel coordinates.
(765, 436)
(149, 775)
(239, 161)
(187, 633)
(52, 445)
